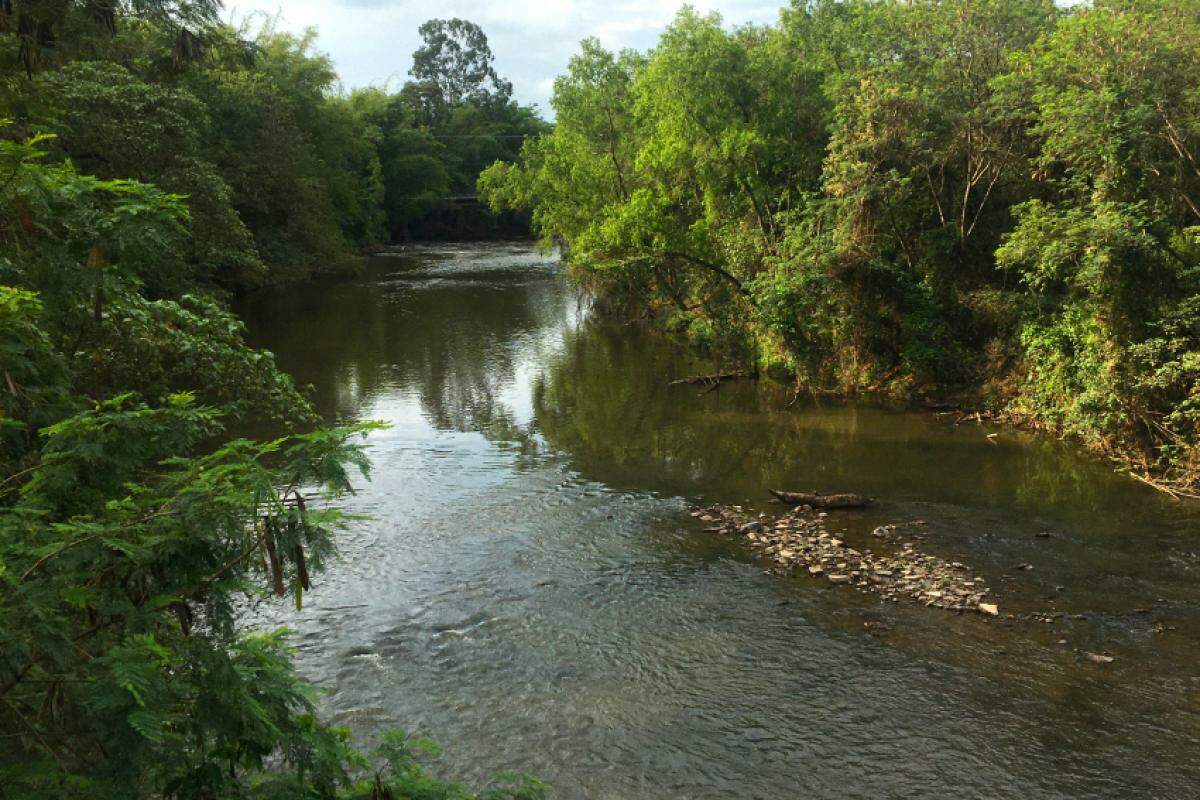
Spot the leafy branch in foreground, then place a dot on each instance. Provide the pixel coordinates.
(133, 529)
(122, 569)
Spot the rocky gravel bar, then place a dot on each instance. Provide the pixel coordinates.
(799, 540)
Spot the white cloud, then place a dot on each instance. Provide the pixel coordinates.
(371, 41)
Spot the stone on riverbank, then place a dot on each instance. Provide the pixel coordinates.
(799, 539)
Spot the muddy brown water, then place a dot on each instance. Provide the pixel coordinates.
(532, 592)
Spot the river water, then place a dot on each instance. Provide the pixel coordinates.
(533, 593)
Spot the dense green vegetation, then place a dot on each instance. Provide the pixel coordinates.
(285, 175)
(990, 200)
(993, 201)
(151, 161)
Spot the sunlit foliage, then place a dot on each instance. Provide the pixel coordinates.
(995, 201)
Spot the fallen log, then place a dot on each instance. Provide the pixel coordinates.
(714, 378)
(828, 501)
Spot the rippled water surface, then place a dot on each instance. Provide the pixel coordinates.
(532, 593)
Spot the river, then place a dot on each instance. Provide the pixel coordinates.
(532, 592)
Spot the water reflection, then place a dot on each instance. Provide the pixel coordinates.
(532, 592)
(446, 324)
(605, 399)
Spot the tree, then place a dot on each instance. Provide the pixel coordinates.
(132, 526)
(1109, 248)
(41, 25)
(443, 129)
(116, 125)
(414, 175)
(965, 196)
(303, 170)
(456, 58)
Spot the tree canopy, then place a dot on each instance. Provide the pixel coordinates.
(455, 58)
(140, 187)
(991, 201)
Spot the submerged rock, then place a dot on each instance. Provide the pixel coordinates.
(799, 539)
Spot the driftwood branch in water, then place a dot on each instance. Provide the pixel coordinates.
(821, 500)
(714, 378)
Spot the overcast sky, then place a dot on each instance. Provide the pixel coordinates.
(371, 41)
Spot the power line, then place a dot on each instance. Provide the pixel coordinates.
(447, 197)
(481, 135)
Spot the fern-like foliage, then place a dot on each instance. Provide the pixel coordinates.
(131, 525)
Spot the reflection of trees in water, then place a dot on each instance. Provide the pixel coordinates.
(452, 340)
(605, 401)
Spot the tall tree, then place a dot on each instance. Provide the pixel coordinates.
(457, 59)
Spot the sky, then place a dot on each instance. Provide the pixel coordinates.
(371, 41)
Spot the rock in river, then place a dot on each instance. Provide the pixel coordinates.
(799, 539)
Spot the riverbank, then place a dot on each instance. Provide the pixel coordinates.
(1003, 406)
(892, 238)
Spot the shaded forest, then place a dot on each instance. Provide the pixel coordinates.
(154, 161)
(285, 174)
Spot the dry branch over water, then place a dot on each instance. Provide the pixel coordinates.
(830, 501)
(714, 378)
